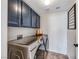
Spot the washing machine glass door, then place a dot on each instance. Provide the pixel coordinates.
(16, 54)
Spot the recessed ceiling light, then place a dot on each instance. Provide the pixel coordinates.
(47, 2)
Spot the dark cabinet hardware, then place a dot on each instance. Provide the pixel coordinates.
(76, 45)
(33, 49)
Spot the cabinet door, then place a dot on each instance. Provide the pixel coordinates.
(26, 15)
(34, 21)
(13, 14)
(38, 21)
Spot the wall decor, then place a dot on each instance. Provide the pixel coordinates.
(72, 18)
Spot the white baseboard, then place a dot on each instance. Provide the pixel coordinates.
(53, 51)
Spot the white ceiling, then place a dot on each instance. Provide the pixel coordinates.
(41, 8)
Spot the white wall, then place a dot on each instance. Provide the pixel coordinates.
(56, 26)
(3, 29)
(44, 23)
(14, 31)
(58, 32)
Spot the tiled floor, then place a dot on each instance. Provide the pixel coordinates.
(50, 55)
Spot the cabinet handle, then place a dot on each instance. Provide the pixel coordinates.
(76, 45)
(32, 49)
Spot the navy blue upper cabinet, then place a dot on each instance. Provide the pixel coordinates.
(13, 13)
(21, 15)
(26, 15)
(38, 21)
(34, 19)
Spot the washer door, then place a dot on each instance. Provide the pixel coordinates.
(14, 53)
